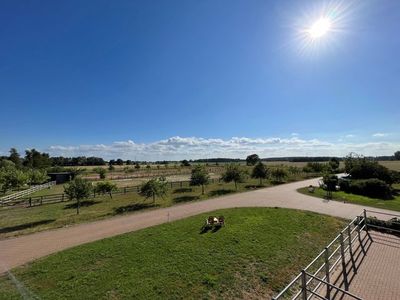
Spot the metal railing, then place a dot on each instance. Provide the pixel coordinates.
(315, 280)
(20, 194)
(339, 253)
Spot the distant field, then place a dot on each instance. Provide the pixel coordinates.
(391, 164)
(252, 257)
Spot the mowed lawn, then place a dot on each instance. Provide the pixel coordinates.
(392, 204)
(22, 220)
(254, 255)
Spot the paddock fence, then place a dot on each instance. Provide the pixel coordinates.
(62, 197)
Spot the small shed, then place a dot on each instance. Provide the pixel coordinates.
(61, 177)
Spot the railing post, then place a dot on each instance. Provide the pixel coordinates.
(365, 220)
(62, 199)
(41, 200)
(327, 275)
(366, 225)
(351, 250)
(125, 190)
(303, 285)
(359, 238)
(344, 271)
(30, 201)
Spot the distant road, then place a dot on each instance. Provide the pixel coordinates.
(20, 250)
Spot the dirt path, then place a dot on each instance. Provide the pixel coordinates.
(20, 250)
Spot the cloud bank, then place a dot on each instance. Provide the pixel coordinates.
(177, 148)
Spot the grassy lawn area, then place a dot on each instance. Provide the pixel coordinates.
(21, 220)
(257, 252)
(393, 204)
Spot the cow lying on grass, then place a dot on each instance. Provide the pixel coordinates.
(213, 222)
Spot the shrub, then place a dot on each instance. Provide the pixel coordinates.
(105, 187)
(373, 187)
(314, 167)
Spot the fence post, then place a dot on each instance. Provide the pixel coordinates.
(30, 201)
(351, 250)
(41, 200)
(327, 275)
(62, 199)
(346, 283)
(125, 190)
(181, 183)
(303, 285)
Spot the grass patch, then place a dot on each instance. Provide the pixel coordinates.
(392, 204)
(255, 254)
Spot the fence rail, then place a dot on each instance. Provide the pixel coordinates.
(315, 280)
(56, 198)
(18, 195)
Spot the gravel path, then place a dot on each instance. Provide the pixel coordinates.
(20, 250)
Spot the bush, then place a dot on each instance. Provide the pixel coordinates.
(374, 188)
(314, 167)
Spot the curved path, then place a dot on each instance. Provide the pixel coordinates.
(20, 250)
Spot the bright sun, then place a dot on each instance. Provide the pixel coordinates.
(319, 28)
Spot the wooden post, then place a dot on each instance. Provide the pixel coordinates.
(30, 201)
(41, 200)
(344, 271)
(327, 275)
(124, 190)
(62, 199)
(181, 183)
(303, 285)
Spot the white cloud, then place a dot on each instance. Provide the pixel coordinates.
(349, 136)
(176, 148)
(294, 134)
(380, 134)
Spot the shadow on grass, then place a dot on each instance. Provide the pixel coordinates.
(25, 226)
(213, 229)
(220, 192)
(134, 207)
(86, 203)
(254, 186)
(185, 198)
(277, 182)
(182, 190)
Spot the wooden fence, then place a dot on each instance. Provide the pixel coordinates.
(21, 194)
(56, 198)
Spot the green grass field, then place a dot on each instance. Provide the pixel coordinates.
(21, 220)
(255, 255)
(393, 204)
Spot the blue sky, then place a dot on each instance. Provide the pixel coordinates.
(187, 79)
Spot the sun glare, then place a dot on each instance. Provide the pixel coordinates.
(319, 28)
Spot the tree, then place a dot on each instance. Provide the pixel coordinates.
(15, 157)
(101, 171)
(78, 189)
(37, 176)
(200, 176)
(330, 183)
(137, 166)
(119, 162)
(234, 173)
(260, 172)
(334, 163)
(12, 178)
(128, 162)
(36, 160)
(397, 155)
(153, 188)
(279, 174)
(252, 159)
(106, 187)
(185, 163)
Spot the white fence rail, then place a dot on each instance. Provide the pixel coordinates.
(18, 195)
